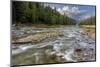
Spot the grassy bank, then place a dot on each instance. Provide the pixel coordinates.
(90, 30)
(19, 25)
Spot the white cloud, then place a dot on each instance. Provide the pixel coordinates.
(65, 8)
(71, 11)
(60, 11)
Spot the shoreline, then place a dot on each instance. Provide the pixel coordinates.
(90, 30)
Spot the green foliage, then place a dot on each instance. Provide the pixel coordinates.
(37, 13)
(89, 21)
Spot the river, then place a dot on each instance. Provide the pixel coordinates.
(74, 46)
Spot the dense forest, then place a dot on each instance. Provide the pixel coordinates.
(37, 13)
(89, 21)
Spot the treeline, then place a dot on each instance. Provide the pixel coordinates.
(37, 13)
(89, 21)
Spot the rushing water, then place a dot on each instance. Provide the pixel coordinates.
(74, 46)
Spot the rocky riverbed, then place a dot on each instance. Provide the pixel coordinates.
(65, 44)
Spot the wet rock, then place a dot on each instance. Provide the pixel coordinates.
(79, 55)
(38, 37)
(40, 58)
(78, 50)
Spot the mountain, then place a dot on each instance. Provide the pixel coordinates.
(89, 21)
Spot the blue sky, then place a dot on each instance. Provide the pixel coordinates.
(78, 12)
